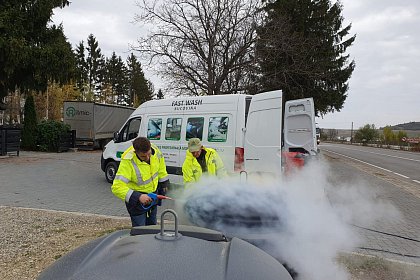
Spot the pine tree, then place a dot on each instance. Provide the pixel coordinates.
(122, 83)
(139, 88)
(30, 124)
(101, 80)
(301, 49)
(118, 75)
(81, 69)
(93, 60)
(32, 51)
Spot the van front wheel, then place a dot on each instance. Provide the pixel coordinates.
(110, 171)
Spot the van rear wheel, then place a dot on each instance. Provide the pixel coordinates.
(110, 171)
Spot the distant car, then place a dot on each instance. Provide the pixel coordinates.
(318, 135)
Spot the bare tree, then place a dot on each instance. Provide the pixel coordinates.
(203, 47)
(332, 134)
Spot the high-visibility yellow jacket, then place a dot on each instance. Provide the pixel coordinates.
(135, 176)
(192, 171)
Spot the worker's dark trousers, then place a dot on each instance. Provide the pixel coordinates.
(146, 219)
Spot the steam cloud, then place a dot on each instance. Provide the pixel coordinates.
(302, 219)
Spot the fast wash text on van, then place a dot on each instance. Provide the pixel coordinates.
(246, 130)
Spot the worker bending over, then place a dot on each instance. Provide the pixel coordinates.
(199, 160)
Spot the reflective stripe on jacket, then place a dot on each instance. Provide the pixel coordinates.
(192, 171)
(136, 175)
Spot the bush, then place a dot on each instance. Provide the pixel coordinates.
(49, 133)
(366, 134)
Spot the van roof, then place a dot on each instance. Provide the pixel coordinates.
(214, 98)
(228, 100)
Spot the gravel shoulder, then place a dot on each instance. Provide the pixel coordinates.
(31, 240)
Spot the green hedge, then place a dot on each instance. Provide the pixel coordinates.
(48, 135)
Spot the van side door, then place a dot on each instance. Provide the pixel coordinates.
(300, 127)
(262, 141)
(127, 134)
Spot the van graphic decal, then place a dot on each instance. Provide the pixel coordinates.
(182, 105)
(171, 147)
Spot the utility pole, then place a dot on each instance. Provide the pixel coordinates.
(351, 134)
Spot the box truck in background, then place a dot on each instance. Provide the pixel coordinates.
(246, 130)
(95, 123)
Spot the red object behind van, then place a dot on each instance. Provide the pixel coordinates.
(292, 161)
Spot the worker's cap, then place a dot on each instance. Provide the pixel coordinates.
(194, 145)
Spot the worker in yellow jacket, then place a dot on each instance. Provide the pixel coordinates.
(199, 160)
(142, 170)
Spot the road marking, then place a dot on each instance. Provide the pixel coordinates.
(401, 175)
(405, 185)
(368, 164)
(380, 154)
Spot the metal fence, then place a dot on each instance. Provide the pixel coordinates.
(67, 141)
(10, 140)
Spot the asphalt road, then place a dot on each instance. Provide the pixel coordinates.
(74, 182)
(393, 176)
(71, 181)
(401, 163)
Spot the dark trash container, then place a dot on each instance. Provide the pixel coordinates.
(151, 252)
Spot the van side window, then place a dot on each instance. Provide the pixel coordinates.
(297, 108)
(154, 128)
(218, 127)
(173, 129)
(131, 130)
(195, 128)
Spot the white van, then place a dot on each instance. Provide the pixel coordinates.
(246, 130)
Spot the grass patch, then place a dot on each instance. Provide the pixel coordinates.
(362, 267)
(356, 262)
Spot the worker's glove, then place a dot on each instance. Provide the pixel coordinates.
(162, 189)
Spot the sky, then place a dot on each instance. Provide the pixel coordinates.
(383, 90)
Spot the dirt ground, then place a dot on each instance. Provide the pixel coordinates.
(31, 240)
